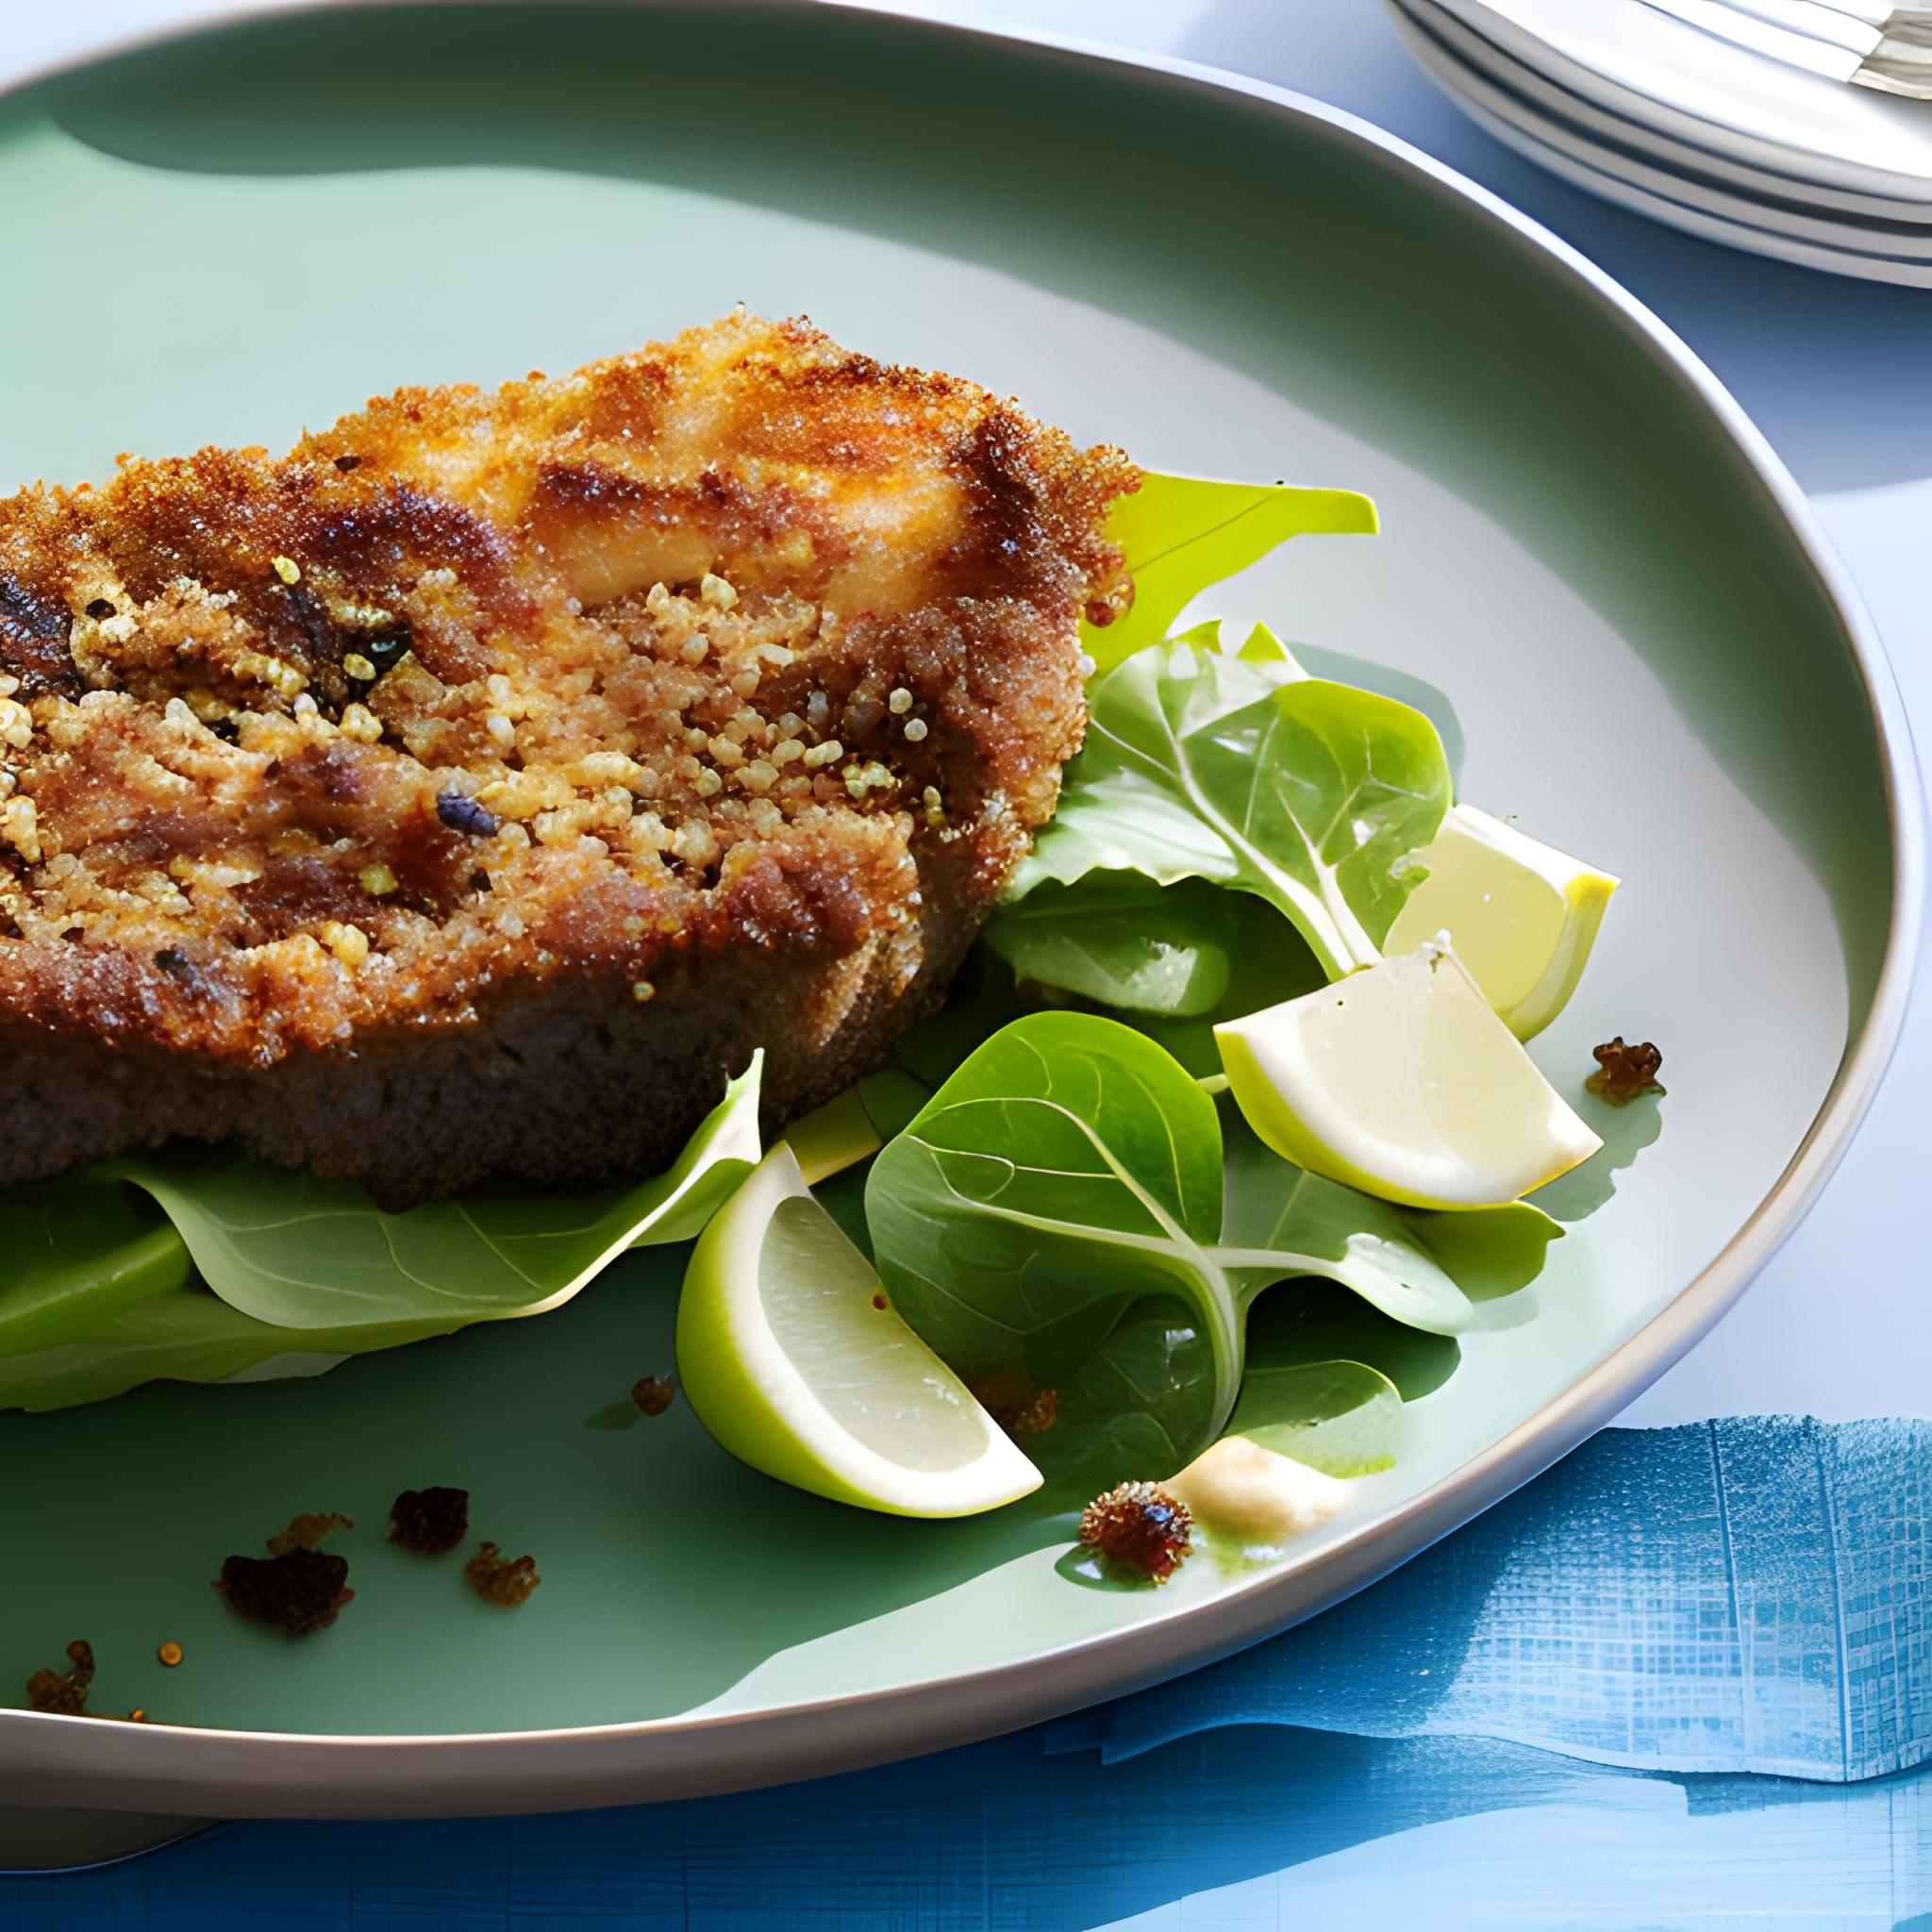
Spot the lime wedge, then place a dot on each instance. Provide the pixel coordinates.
(1522, 916)
(795, 1360)
(1401, 1081)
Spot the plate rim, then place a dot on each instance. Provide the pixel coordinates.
(51, 1760)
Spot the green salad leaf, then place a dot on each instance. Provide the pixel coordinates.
(1270, 962)
(297, 1275)
(1245, 772)
(302, 1253)
(1140, 1405)
(1066, 1168)
(1118, 939)
(1267, 962)
(1340, 1417)
(1180, 534)
(77, 1253)
(1420, 1267)
(1071, 1167)
(185, 1334)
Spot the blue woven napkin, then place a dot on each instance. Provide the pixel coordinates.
(1741, 1595)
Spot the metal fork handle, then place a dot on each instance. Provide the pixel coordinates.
(1902, 61)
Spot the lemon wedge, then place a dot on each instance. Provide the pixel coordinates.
(1522, 916)
(794, 1360)
(1400, 1080)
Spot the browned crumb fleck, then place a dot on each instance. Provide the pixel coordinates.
(1016, 1405)
(64, 1695)
(306, 1532)
(431, 1520)
(499, 1580)
(170, 1654)
(1033, 1417)
(1625, 1071)
(654, 1394)
(1139, 1526)
(301, 1591)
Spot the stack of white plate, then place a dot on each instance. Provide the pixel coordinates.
(1630, 102)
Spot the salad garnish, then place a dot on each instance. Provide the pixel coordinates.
(1246, 772)
(1070, 1227)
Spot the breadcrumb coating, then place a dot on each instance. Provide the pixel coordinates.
(500, 759)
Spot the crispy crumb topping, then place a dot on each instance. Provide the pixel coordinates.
(1014, 1402)
(581, 677)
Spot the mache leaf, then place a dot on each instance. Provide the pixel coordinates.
(1269, 962)
(1180, 534)
(186, 1335)
(1068, 1166)
(1136, 1404)
(1140, 1405)
(79, 1250)
(1118, 939)
(300, 1253)
(1340, 1417)
(1421, 1268)
(1072, 1167)
(1315, 795)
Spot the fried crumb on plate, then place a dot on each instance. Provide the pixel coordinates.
(501, 1580)
(1141, 1527)
(430, 1522)
(301, 1592)
(1624, 1072)
(64, 1693)
(654, 1394)
(306, 1532)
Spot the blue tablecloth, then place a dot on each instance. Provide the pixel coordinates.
(1745, 1595)
(1302, 1829)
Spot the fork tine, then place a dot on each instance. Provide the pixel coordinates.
(1901, 63)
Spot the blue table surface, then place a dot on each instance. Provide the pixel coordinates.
(1245, 1828)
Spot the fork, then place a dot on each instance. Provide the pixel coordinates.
(1863, 43)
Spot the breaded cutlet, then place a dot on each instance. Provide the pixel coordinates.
(462, 796)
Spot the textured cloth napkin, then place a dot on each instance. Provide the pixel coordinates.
(1743, 1595)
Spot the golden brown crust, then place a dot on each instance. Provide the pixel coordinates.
(576, 697)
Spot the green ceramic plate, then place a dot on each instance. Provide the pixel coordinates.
(1651, 660)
